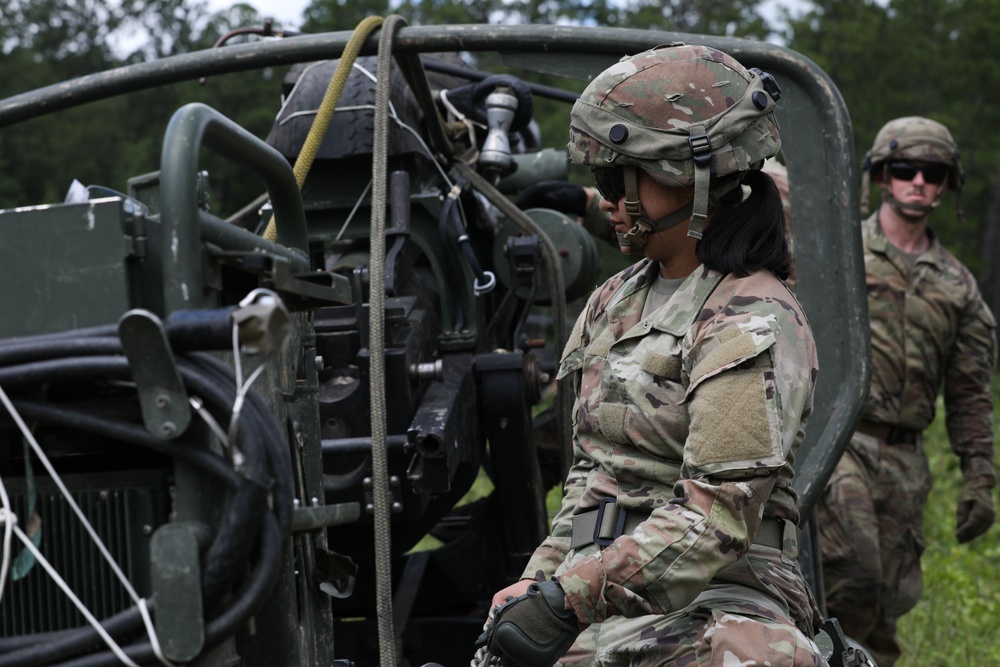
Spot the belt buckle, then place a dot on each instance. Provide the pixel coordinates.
(619, 523)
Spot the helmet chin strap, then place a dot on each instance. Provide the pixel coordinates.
(908, 210)
(905, 209)
(642, 226)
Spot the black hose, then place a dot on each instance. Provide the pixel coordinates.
(25, 351)
(256, 588)
(131, 433)
(261, 424)
(245, 521)
(243, 507)
(453, 273)
(455, 217)
(21, 650)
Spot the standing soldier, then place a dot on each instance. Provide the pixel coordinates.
(929, 328)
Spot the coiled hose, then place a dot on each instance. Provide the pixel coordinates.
(249, 529)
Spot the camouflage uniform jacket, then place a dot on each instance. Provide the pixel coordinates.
(930, 327)
(690, 415)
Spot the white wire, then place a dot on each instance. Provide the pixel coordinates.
(395, 117)
(295, 89)
(207, 417)
(126, 584)
(470, 125)
(238, 403)
(112, 644)
(40, 453)
(237, 363)
(9, 520)
(154, 641)
(354, 210)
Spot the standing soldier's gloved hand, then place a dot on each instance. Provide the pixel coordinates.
(975, 513)
(557, 195)
(571, 199)
(533, 630)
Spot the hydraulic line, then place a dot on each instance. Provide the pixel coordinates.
(452, 271)
(247, 521)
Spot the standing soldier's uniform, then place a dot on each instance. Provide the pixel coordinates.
(930, 331)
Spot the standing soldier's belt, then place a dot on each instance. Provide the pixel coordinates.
(893, 435)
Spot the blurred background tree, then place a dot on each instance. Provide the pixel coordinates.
(889, 58)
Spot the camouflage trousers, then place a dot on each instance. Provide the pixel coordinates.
(758, 611)
(719, 631)
(871, 523)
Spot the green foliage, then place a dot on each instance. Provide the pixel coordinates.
(958, 618)
(108, 142)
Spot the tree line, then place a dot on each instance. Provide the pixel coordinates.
(888, 58)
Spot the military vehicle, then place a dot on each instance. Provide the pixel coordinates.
(271, 418)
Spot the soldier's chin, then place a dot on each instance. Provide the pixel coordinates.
(623, 244)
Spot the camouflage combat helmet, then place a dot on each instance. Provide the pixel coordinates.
(911, 138)
(685, 115)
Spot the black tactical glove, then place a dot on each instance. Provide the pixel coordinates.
(533, 630)
(975, 513)
(557, 195)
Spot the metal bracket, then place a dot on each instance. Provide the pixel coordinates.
(162, 396)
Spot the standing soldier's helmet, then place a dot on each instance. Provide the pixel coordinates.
(683, 114)
(911, 138)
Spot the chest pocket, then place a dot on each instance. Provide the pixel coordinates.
(662, 365)
(642, 392)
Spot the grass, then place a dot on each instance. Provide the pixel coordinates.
(957, 621)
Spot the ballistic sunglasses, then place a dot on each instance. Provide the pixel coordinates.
(934, 174)
(610, 182)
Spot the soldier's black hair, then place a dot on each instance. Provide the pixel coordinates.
(743, 237)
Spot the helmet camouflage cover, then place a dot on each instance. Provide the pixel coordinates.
(661, 109)
(915, 138)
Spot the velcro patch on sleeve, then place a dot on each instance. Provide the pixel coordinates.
(730, 421)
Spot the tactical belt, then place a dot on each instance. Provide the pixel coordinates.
(602, 525)
(893, 435)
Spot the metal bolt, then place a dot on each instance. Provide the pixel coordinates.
(147, 529)
(168, 429)
(369, 509)
(319, 362)
(162, 401)
(367, 483)
(394, 481)
(397, 507)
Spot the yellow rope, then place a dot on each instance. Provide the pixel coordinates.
(326, 108)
